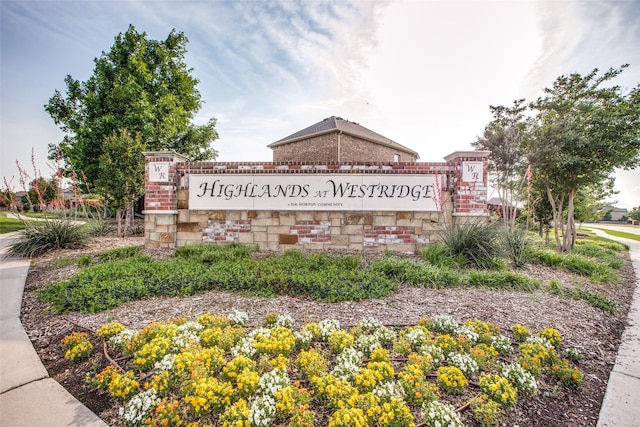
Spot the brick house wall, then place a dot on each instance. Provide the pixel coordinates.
(337, 147)
(323, 149)
(169, 221)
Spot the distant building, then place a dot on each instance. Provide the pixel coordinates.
(616, 214)
(495, 205)
(337, 140)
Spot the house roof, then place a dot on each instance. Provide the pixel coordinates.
(338, 124)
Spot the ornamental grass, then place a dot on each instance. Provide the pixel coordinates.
(183, 373)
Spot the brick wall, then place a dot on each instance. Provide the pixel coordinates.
(324, 148)
(169, 222)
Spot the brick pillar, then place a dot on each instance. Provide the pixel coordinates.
(160, 202)
(469, 183)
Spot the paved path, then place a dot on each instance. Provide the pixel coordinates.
(28, 396)
(621, 405)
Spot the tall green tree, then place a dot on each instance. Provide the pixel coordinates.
(584, 130)
(121, 179)
(141, 85)
(505, 137)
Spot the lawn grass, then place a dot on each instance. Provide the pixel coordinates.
(623, 234)
(7, 225)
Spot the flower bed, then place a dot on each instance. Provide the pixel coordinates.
(215, 371)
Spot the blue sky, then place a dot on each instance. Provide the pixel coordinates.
(422, 73)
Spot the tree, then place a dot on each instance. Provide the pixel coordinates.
(588, 203)
(583, 131)
(121, 178)
(635, 213)
(505, 138)
(140, 85)
(43, 193)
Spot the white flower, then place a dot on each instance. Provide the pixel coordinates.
(464, 362)
(524, 381)
(534, 339)
(347, 363)
(303, 338)
(444, 324)
(120, 340)
(366, 343)
(244, 347)
(501, 344)
(369, 324)
(272, 381)
(437, 414)
(389, 390)
(262, 411)
(166, 364)
(139, 406)
(385, 335)
(238, 317)
(415, 336)
(187, 338)
(467, 332)
(284, 321)
(435, 352)
(327, 327)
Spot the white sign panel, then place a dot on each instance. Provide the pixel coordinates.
(472, 171)
(324, 192)
(158, 172)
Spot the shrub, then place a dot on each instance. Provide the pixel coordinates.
(578, 263)
(596, 300)
(517, 246)
(438, 254)
(476, 241)
(214, 253)
(415, 273)
(45, 236)
(503, 280)
(120, 253)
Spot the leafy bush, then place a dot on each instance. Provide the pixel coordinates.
(438, 254)
(576, 263)
(45, 236)
(607, 256)
(476, 241)
(416, 273)
(503, 280)
(126, 274)
(124, 253)
(97, 227)
(596, 300)
(604, 243)
(517, 246)
(213, 253)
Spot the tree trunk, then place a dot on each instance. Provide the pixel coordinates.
(119, 215)
(571, 222)
(552, 201)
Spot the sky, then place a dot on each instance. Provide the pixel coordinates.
(422, 73)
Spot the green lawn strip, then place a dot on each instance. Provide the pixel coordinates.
(7, 225)
(623, 234)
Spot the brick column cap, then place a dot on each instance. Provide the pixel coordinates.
(172, 154)
(474, 153)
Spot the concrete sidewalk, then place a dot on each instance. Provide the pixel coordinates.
(621, 405)
(28, 396)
